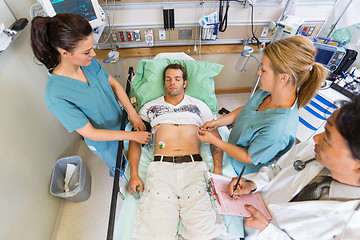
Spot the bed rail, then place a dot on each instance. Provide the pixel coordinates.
(119, 165)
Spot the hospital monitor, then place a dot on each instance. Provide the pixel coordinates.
(89, 9)
(329, 56)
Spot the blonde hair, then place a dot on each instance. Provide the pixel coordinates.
(296, 56)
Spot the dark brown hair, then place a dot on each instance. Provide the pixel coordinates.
(176, 66)
(64, 30)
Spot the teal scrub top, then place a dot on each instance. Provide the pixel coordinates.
(75, 103)
(265, 134)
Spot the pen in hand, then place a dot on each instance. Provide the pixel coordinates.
(238, 181)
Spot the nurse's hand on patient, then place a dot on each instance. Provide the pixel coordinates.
(257, 220)
(134, 182)
(140, 136)
(209, 125)
(136, 122)
(205, 136)
(244, 187)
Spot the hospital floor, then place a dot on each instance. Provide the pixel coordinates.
(88, 220)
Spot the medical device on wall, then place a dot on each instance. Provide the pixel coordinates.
(149, 37)
(328, 55)
(286, 28)
(89, 9)
(244, 58)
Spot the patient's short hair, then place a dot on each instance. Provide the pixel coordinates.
(348, 124)
(176, 66)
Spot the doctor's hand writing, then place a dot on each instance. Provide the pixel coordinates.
(244, 187)
(257, 220)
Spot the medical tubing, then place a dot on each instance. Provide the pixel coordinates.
(122, 174)
(110, 25)
(107, 60)
(153, 135)
(255, 59)
(252, 27)
(347, 222)
(247, 50)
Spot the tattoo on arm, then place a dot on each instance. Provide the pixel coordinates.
(217, 155)
(214, 149)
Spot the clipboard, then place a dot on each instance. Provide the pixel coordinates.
(226, 205)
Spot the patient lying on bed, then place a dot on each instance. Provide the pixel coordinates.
(175, 182)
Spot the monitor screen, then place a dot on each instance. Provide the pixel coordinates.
(323, 56)
(83, 8)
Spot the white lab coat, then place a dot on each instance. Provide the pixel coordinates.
(320, 219)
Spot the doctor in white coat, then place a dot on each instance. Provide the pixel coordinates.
(335, 153)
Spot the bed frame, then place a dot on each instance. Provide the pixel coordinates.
(120, 164)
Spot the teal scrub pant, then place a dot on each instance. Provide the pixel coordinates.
(109, 156)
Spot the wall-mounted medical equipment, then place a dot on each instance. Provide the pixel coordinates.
(348, 83)
(209, 27)
(244, 58)
(149, 37)
(169, 18)
(286, 28)
(89, 9)
(328, 55)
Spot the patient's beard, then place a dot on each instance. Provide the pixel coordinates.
(175, 93)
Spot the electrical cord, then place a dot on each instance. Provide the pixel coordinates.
(254, 38)
(347, 222)
(223, 18)
(110, 25)
(161, 144)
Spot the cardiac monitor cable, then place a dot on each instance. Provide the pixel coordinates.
(347, 222)
(162, 144)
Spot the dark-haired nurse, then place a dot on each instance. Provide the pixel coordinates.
(80, 92)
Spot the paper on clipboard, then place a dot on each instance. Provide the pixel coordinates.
(236, 207)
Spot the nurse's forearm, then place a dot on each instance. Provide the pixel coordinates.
(89, 132)
(236, 152)
(229, 118)
(121, 95)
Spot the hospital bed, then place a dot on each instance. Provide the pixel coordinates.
(147, 85)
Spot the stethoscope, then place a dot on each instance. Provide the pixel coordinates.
(300, 165)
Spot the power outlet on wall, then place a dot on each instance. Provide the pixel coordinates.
(264, 31)
(162, 34)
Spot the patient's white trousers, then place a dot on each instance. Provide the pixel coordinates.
(176, 192)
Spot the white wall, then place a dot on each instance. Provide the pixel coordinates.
(229, 77)
(151, 14)
(31, 140)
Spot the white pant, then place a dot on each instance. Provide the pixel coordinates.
(176, 191)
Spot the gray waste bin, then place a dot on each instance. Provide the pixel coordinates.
(79, 184)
